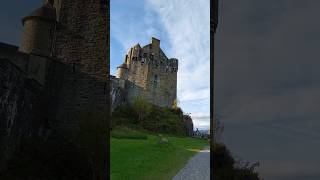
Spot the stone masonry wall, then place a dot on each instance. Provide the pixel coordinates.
(82, 41)
(151, 75)
(19, 101)
(39, 93)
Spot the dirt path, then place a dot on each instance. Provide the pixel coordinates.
(197, 168)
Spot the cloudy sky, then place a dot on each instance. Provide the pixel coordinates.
(268, 85)
(183, 28)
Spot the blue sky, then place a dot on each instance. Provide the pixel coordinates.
(183, 28)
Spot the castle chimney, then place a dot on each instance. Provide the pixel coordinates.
(155, 45)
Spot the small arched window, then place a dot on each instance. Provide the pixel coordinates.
(156, 79)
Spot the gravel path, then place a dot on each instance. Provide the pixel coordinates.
(197, 168)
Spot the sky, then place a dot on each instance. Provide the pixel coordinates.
(183, 27)
(267, 84)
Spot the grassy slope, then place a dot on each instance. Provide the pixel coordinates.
(146, 159)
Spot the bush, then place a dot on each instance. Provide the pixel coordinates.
(155, 119)
(226, 168)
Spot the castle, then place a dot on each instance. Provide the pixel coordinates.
(147, 73)
(60, 69)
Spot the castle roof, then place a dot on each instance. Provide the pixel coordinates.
(44, 13)
(137, 45)
(124, 65)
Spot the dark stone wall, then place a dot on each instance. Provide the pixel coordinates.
(82, 37)
(19, 99)
(82, 42)
(44, 97)
(117, 92)
(68, 90)
(53, 109)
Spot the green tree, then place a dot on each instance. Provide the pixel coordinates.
(175, 104)
(142, 108)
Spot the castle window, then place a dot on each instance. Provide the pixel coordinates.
(174, 69)
(156, 79)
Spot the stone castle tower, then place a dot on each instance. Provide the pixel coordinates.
(60, 69)
(75, 34)
(148, 73)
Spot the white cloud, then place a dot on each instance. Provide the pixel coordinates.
(201, 120)
(187, 23)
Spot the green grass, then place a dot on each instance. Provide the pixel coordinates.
(126, 133)
(143, 159)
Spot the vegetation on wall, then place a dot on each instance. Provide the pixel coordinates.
(143, 115)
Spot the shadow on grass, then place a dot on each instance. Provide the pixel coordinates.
(126, 133)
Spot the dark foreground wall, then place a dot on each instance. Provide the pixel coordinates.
(51, 113)
(19, 96)
(54, 109)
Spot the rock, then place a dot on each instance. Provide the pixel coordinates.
(162, 140)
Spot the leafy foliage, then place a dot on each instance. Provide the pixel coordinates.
(141, 108)
(226, 168)
(143, 115)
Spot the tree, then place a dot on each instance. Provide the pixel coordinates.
(142, 108)
(175, 104)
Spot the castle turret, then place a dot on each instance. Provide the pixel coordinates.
(38, 30)
(122, 71)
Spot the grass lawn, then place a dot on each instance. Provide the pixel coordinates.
(145, 158)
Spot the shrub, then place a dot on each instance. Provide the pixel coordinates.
(154, 119)
(141, 108)
(226, 168)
